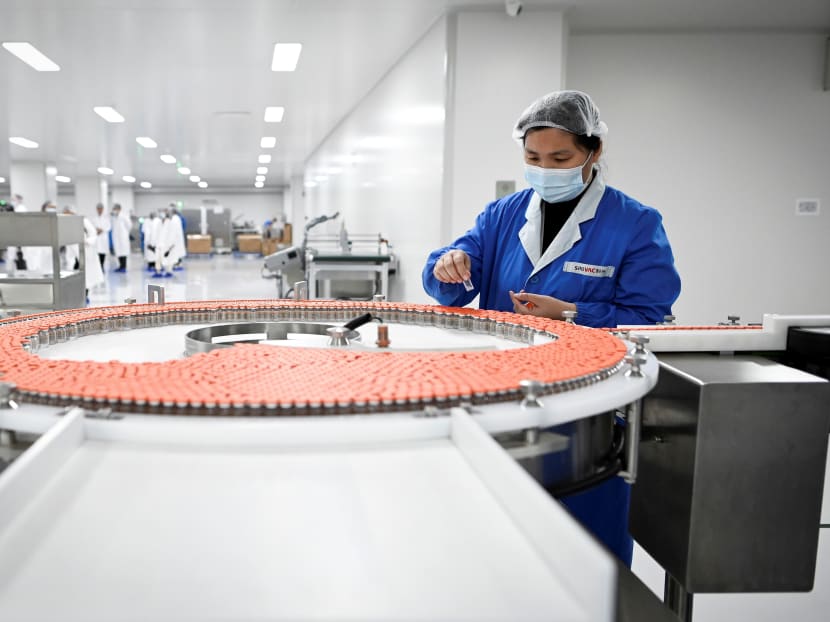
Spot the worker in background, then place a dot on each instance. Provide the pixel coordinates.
(150, 231)
(16, 253)
(168, 245)
(181, 246)
(93, 274)
(568, 243)
(121, 226)
(102, 225)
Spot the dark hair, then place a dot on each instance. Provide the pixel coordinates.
(591, 143)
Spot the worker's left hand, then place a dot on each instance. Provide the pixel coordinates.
(539, 305)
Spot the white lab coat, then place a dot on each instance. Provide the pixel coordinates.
(168, 242)
(93, 273)
(181, 247)
(102, 240)
(151, 228)
(121, 226)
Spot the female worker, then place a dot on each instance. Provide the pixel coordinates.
(569, 242)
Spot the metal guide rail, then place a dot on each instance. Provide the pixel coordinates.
(261, 380)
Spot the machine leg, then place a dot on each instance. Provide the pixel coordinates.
(677, 599)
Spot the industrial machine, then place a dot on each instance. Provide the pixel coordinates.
(335, 266)
(313, 459)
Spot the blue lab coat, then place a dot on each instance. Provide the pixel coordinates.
(611, 258)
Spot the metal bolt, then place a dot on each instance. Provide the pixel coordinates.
(734, 320)
(639, 342)
(636, 360)
(531, 389)
(569, 316)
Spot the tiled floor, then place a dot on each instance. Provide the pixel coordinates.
(203, 278)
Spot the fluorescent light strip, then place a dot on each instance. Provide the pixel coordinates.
(203, 184)
(286, 56)
(30, 55)
(23, 142)
(129, 179)
(63, 179)
(262, 170)
(108, 114)
(146, 142)
(105, 170)
(265, 159)
(274, 114)
(259, 178)
(195, 178)
(2, 180)
(259, 184)
(183, 170)
(146, 184)
(268, 142)
(168, 159)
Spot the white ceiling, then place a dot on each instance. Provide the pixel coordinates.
(195, 74)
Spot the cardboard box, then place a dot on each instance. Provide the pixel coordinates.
(249, 243)
(286, 234)
(269, 246)
(199, 244)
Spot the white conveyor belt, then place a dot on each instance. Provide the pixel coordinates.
(448, 528)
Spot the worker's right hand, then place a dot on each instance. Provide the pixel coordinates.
(452, 267)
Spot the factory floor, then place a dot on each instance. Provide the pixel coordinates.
(239, 277)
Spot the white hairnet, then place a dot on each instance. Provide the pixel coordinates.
(572, 111)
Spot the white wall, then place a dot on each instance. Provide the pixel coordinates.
(722, 132)
(383, 164)
(255, 207)
(501, 65)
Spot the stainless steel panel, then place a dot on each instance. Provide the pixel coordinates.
(731, 473)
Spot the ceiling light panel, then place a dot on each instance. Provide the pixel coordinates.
(108, 114)
(274, 114)
(259, 184)
(262, 170)
(105, 170)
(183, 170)
(195, 178)
(268, 142)
(129, 179)
(203, 184)
(63, 179)
(259, 178)
(23, 142)
(168, 159)
(286, 56)
(30, 55)
(146, 142)
(146, 184)
(264, 159)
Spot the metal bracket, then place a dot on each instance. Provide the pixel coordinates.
(101, 413)
(6, 390)
(301, 290)
(155, 293)
(634, 417)
(538, 443)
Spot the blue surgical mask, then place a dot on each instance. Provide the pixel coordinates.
(556, 184)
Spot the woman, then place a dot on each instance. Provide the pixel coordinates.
(567, 243)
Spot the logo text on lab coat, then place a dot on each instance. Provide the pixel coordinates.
(588, 270)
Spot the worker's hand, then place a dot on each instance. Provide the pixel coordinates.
(452, 267)
(539, 305)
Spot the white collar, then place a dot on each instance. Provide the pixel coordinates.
(531, 233)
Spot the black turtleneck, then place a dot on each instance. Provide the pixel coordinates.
(554, 216)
